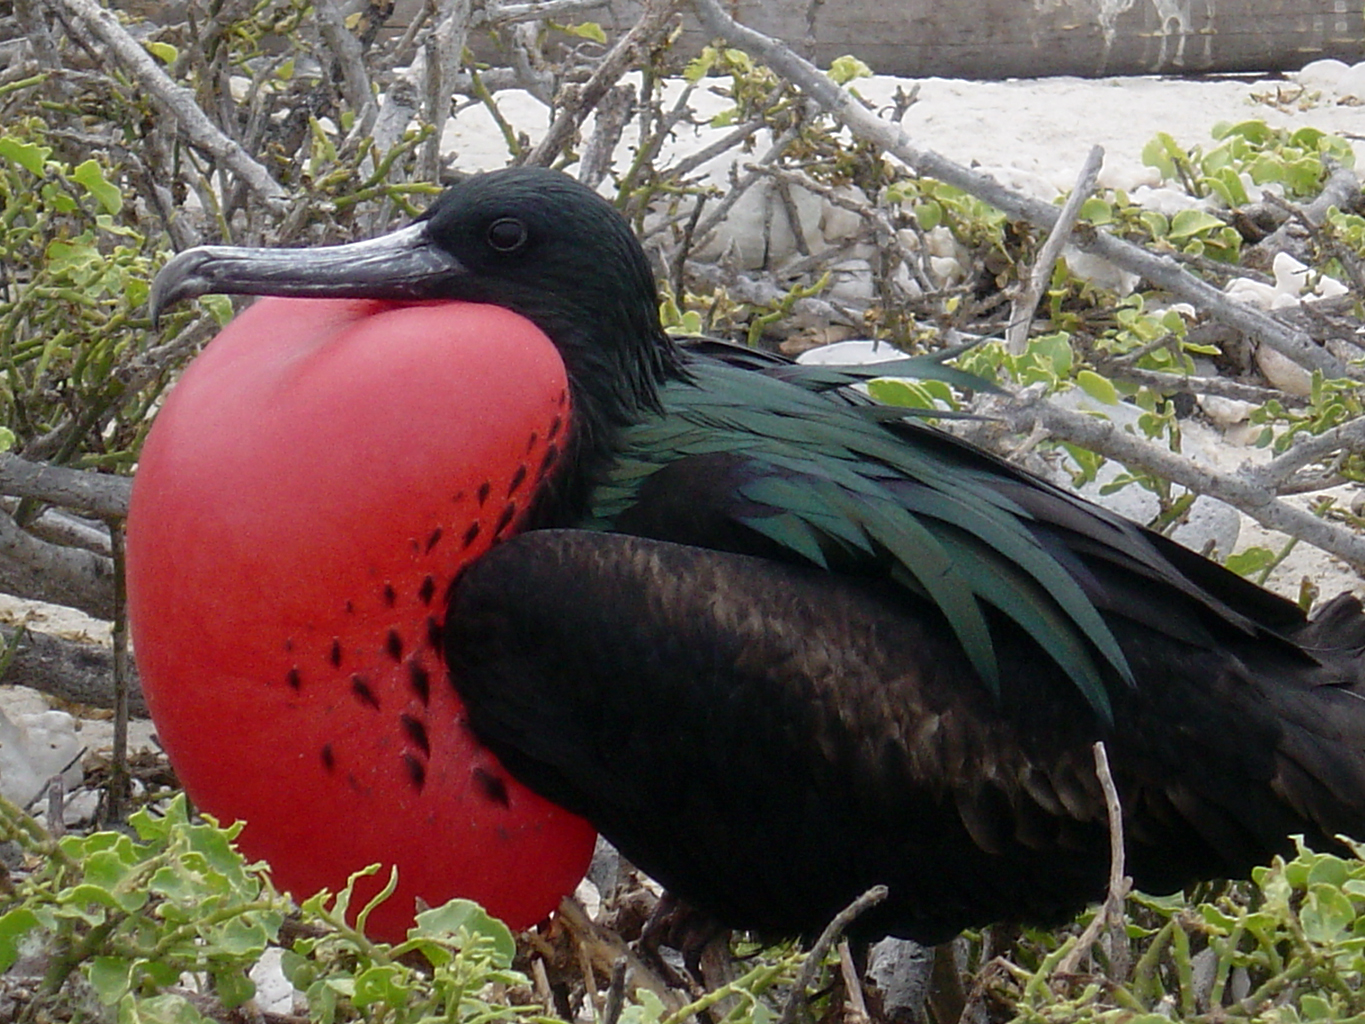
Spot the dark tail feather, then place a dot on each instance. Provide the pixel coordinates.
(1321, 753)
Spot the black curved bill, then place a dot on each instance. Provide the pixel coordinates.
(404, 264)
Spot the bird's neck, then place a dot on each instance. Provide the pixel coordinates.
(611, 388)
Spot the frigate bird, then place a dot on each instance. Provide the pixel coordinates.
(482, 535)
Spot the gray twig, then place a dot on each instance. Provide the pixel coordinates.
(444, 51)
(119, 776)
(97, 494)
(553, 10)
(615, 64)
(1341, 190)
(1191, 385)
(1349, 436)
(736, 191)
(1110, 913)
(1161, 271)
(1245, 491)
(350, 56)
(73, 670)
(34, 569)
(1026, 301)
(176, 101)
(833, 931)
(56, 806)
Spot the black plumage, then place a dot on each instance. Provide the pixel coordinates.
(778, 647)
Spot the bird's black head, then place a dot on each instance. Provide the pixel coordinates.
(531, 240)
(542, 244)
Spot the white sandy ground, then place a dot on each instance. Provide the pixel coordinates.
(1036, 131)
(1032, 135)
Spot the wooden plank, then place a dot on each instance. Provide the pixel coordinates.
(1004, 39)
(993, 39)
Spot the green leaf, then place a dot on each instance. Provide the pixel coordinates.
(1266, 168)
(1257, 132)
(910, 394)
(1306, 137)
(447, 920)
(1162, 152)
(699, 68)
(1227, 183)
(1155, 222)
(586, 30)
(57, 198)
(246, 935)
(322, 1002)
(298, 970)
(1173, 322)
(1327, 914)
(648, 1009)
(1055, 350)
(1097, 211)
(233, 987)
(382, 983)
(1328, 870)
(27, 155)
(1251, 562)
(1188, 223)
(1314, 1007)
(162, 1009)
(219, 307)
(91, 177)
(1101, 389)
(157, 828)
(215, 846)
(160, 973)
(110, 977)
(164, 52)
(1216, 919)
(929, 215)
(847, 68)
(14, 928)
(1088, 461)
(1301, 176)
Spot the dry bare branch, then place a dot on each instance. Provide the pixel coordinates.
(1180, 384)
(97, 494)
(1244, 491)
(78, 671)
(1110, 914)
(347, 51)
(619, 59)
(552, 10)
(816, 956)
(39, 571)
(1023, 304)
(1161, 271)
(176, 101)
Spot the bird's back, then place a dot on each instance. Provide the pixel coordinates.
(791, 698)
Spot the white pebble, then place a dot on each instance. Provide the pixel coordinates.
(35, 747)
(1283, 372)
(838, 223)
(1351, 84)
(1225, 412)
(1250, 293)
(274, 993)
(1322, 75)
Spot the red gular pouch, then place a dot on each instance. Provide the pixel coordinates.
(310, 489)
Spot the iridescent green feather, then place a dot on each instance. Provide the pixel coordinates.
(839, 481)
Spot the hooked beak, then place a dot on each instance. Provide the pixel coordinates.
(404, 264)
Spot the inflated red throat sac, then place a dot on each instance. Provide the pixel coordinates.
(311, 488)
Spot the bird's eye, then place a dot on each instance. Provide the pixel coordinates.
(507, 234)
